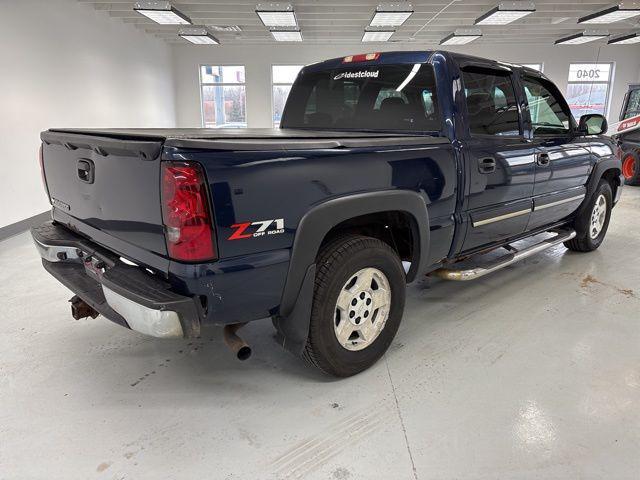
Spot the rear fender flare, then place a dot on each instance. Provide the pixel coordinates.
(292, 320)
(318, 221)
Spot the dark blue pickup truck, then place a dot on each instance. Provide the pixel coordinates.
(388, 166)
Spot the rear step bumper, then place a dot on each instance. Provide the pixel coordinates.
(126, 295)
(514, 256)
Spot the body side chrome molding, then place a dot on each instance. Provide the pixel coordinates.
(501, 217)
(559, 202)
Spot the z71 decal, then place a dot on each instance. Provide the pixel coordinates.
(265, 227)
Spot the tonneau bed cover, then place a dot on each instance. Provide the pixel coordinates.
(245, 138)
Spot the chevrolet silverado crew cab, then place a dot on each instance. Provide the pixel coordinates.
(387, 167)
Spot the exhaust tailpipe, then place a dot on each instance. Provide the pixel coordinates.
(236, 344)
(81, 309)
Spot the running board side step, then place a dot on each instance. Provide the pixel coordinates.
(515, 255)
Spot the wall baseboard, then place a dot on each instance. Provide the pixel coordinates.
(24, 225)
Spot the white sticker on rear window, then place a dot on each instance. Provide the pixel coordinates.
(360, 74)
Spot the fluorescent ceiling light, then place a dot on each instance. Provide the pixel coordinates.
(615, 13)
(287, 35)
(391, 14)
(582, 37)
(377, 35)
(162, 12)
(626, 39)
(505, 13)
(201, 39)
(276, 15)
(461, 37)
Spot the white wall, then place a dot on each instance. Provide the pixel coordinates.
(258, 60)
(63, 64)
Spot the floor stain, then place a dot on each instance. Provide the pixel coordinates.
(249, 437)
(341, 473)
(103, 466)
(194, 346)
(589, 279)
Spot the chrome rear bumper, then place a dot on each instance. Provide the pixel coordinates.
(125, 294)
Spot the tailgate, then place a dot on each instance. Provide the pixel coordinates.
(107, 188)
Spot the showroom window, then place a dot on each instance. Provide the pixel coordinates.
(588, 88)
(282, 77)
(534, 66)
(222, 90)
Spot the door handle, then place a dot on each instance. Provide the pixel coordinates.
(543, 159)
(487, 165)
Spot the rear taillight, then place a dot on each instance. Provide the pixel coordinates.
(41, 162)
(186, 213)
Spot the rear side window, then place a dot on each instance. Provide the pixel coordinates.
(633, 104)
(371, 97)
(550, 114)
(491, 102)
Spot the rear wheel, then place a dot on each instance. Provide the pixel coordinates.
(357, 305)
(592, 223)
(631, 170)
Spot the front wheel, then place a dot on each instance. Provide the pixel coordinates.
(592, 223)
(357, 305)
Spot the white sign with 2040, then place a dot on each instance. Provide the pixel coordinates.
(589, 72)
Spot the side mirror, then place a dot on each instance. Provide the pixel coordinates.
(592, 124)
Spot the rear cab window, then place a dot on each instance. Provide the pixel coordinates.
(400, 98)
(490, 96)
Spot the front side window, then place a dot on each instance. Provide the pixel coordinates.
(223, 96)
(354, 97)
(588, 88)
(549, 113)
(282, 77)
(491, 102)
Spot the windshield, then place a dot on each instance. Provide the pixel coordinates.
(383, 98)
(633, 104)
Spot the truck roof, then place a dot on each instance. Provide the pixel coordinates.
(410, 57)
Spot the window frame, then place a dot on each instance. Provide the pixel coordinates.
(554, 90)
(274, 84)
(202, 84)
(497, 72)
(609, 83)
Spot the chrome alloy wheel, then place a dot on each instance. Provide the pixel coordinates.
(598, 216)
(362, 309)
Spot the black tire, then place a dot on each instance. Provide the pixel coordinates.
(584, 242)
(631, 169)
(338, 262)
